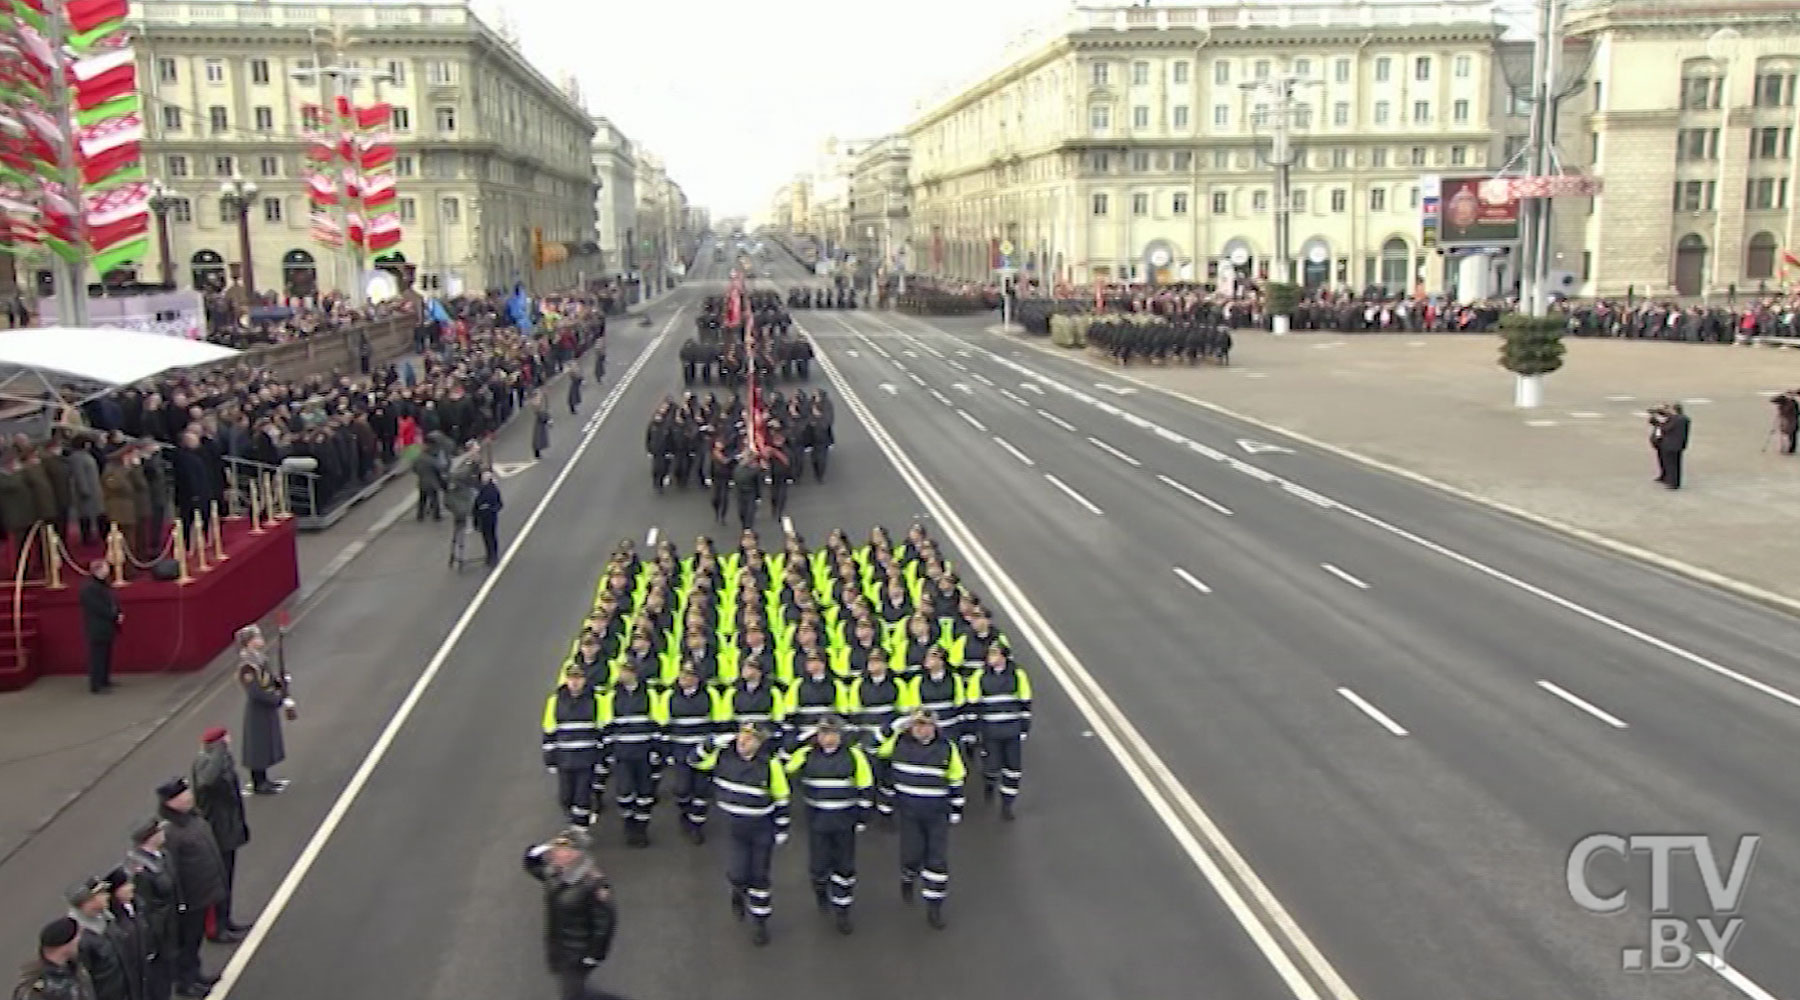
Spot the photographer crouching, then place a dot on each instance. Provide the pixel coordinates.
(579, 915)
(1669, 426)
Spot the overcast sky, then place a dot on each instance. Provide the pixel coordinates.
(737, 96)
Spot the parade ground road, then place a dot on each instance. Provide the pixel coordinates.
(1302, 731)
(418, 892)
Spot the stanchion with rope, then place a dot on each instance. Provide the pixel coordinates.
(179, 537)
(198, 540)
(218, 535)
(256, 527)
(54, 554)
(18, 589)
(115, 555)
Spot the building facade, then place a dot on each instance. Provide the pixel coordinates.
(615, 203)
(663, 244)
(491, 153)
(878, 202)
(1689, 115)
(1131, 144)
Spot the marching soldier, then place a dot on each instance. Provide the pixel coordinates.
(752, 701)
(928, 785)
(632, 737)
(579, 912)
(835, 779)
(811, 697)
(999, 700)
(747, 483)
(751, 789)
(659, 441)
(694, 713)
(572, 745)
(877, 701)
(937, 689)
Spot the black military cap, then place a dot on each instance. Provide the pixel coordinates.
(145, 829)
(171, 788)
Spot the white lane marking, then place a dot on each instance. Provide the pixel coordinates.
(851, 352)
(1192, 580)
(940, 397)
(1621, 399)
(963, 388)
(1197, 495)
(1265, 920)
(1015, 397)
(1347, 578)
(900, 365)
(315, 846)
(1311, 497)
(1114, 452)
(787, 525)
(888, 387)
(983, 379)
(1256, 374)
(1058, 421)
(910, 354)
(650, 539)
(1078, 498)
(1137, 421)
(1016, 453)
(1587, 415)
(1540, 423)
(971, 421)
(1743, 983)
(1415, 343)
(1032, 387)
(1117, 390)
(1586, 706)
(1381, 718)
(1262, 447)
(959, 366)
(881, 351)
(1697, 401)
(916, 379)
(962, 354)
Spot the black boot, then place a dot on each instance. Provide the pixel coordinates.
(934, 915)
(820, 897)
(987, 790)
(844, 926)
(760, 936)
(906, 890)
(1006, 809)
(737, 903)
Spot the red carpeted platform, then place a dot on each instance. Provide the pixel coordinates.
(171, 626)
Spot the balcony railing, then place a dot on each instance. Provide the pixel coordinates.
(300, 15)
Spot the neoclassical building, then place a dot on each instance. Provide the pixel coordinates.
(1130, 144)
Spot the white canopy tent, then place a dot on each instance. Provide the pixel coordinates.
(69, 366)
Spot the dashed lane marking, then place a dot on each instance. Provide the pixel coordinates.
(1586, 706)
(1058, 421)
(1114, 452)
(1381, 718)
(1016, 453)
(1196, 495)
(971, 421)
(650, 539)
(1347, 578)
(1077, 497)
(1192, 580)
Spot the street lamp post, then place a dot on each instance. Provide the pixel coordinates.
(1280, 118)
(161, 200)
(238, 195)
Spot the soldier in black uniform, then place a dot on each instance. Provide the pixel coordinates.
(579, 914)
(747, 483)
(659, 442)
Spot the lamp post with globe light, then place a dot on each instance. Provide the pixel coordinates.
(237, 195)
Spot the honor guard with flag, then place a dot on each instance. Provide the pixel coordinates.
(751, 789)
(999, 717)
(696, 714)
(633, 738)
(928, 778)
(835, 782)
(572, 721)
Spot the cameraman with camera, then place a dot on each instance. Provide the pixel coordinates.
(1669, 426)
(579, 916)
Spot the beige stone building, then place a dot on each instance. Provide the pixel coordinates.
(615, 200)
(1690, 117)
(1128, 143)
(878, 202)
(491, 152)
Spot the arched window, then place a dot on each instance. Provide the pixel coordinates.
(1702, 85)
(1759, 256)
(1396, 263)
(207, 269)
(299, 274)
(1690, 264)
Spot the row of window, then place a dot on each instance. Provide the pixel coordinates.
(1698, 144)
(182, 210)
(1761, 194)
(1337, 201)
(1462, 67)
(213, 70)
(1773, 89)
(1337, 158)
(1381, 113)
(262, 118)
(177, 165)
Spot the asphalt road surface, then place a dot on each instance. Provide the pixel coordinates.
(1303, 731)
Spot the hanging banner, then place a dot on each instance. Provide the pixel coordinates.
(1473, 217)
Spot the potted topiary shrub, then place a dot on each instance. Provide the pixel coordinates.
(1281, 297)
(1531, 348)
